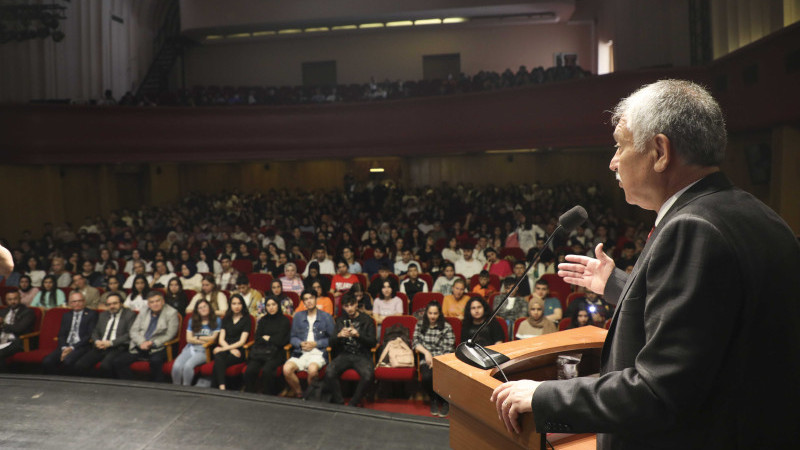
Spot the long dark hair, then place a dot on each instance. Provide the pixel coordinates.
(50, 296)
(197, 320)
(229, 313)
(144, 291)
(426, 323)
(468, 319)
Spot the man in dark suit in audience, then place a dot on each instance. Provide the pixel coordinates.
(73, 336)
(15, 321)
(111, 337)
(150, 332)
(702, 348)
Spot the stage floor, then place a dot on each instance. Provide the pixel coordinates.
(81, 413)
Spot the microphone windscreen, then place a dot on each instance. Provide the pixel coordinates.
(572, 218)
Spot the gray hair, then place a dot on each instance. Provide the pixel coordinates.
(683, 111)
(291, 264)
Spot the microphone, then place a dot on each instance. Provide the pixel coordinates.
(476, 355)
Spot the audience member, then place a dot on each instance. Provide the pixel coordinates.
(353, 339)
(452, 253)
(536, 324)
(161, 275)
(444, 284)
(137, 299)
(114, 286)
(90, 294)
(58, 270)
(310, 336)
(580, 318)
(175, 296)
(251, 296)
(433, 336)
(468, 265)
(202, 329)
(266, 354)
(50, 296)
(73, 336)
(26, 291)
(313, 275)
(291, 281)
(387, 303)
(276, 293)
(138, 271)
(484, 287)
(353, 266)
(413, 284)
(518, 272)
(324, 302)
(476, 312)
(406, 260)
(378, 261)
(152, 329)
(320, 256)
(190, 279)
(226, 280)
(552, 306)
(110, 337)
(36, 275)
(453, 304)
(499, 267)
(236, 327)
(15, 320)
(515, 307)
(211, 293)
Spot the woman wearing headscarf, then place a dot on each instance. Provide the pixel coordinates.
(266, 354)
(536, 324)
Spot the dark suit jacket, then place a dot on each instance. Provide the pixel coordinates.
(126, 318)
(85, 329)
(703, 347)
(23, 321)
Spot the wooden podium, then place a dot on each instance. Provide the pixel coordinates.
(473, 418)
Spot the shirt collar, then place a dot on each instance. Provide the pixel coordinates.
(671, 201)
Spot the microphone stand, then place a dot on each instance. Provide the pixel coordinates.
(475, 354)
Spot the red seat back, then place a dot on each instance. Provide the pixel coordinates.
(51, 323)
(244, 266)
(456, 324)
(423, 298)
(260, 281)
(564, 323)
(409, 322)
(428, 279)
(504, 325)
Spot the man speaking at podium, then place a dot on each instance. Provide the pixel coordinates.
(703, 347)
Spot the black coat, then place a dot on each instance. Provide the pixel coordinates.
(702, 349)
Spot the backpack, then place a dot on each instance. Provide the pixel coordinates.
(398, 352)
(396, 347)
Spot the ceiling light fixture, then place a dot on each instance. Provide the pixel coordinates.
(428, 22)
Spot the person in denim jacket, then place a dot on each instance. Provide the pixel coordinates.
(311, 332)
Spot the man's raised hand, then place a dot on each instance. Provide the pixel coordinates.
(591, 273)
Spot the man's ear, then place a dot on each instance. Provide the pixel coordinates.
(664, 152)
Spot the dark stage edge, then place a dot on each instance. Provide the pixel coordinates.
(42, 412)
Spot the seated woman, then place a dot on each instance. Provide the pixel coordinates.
(137, 299)
(323, 301)
(581, 317)
(314, 276)
(453, 305)
(536, 324)
(433, 336)
(232, 337)
(190, 279)
(50, 296)
(275, 293)
(26, 291)
(203, 327)
(475, 313)
(210, 292)
(175, 296)
(207, 263)
(113, 286)
(291, 280)
(263, 264)
(36, 275)
(266, 354)
(387, 304)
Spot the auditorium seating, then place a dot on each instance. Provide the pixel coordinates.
(423, 298)
(48, 338)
